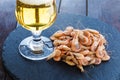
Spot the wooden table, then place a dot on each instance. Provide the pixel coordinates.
(7, 24)
(104, 12)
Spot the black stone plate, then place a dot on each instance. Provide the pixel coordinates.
(23, 69)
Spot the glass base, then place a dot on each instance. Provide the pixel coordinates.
(26, 52)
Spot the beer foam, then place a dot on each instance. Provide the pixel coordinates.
(36, 2)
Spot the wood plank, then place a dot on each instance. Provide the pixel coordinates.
(111, 13)
(94, 7)
(107, 11)
(7, 18)
(58, 5)
(73, 7)
(7, 24)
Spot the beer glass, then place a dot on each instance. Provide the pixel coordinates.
(35, 16)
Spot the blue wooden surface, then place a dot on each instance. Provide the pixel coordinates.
(23, 69)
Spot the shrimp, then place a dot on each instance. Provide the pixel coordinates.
(83, 39)
(92, 31)
(53, 38)
(103, 40)
(79, 56)
(69, 62)
(79, 47)
(88, 58)
(80, 67)
(60, 42)
(55, 53)
(57, 58)
(68, 30)
(106, 57)
(95, 44)
(84, 62)
(97, 61)
(73, 58)
(75, 43)
(64, 47)
(99, 52)
(85, 52)
(86, 33)
(58, 33)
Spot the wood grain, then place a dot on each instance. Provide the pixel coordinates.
(73, 7)
(7, 24)
(110, 13)
(94, 7)
(107, 11)
(58, 3)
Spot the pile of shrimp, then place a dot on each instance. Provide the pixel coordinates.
(79, 47)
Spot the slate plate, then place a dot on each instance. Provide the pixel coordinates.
(23, 69)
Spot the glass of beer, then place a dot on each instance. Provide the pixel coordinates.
(35, 16)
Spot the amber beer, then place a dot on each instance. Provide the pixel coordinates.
(36, 15)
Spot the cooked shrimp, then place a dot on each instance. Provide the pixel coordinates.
(87, 33)
(103, 40)
(84, 40)
(106, 57)
(97, 61)
(75, 43)
(99, 51)
(69, 57)
(88, 58)
(82, 37)
(71, 63)
(60, 42)
(57, 58)
(84, 47)
(84, 52)
(53, 38)
(58, 33)
(79, 56)
(68, 31)
(55, 52)
(84, 62)
(64, 47)
(79, 47)
(95, 44)
(73, 58)
(92, 31)
(80, 67)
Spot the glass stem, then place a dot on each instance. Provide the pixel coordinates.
(36, 44)
(36, 35)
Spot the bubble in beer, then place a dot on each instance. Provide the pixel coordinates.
(36, 2)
